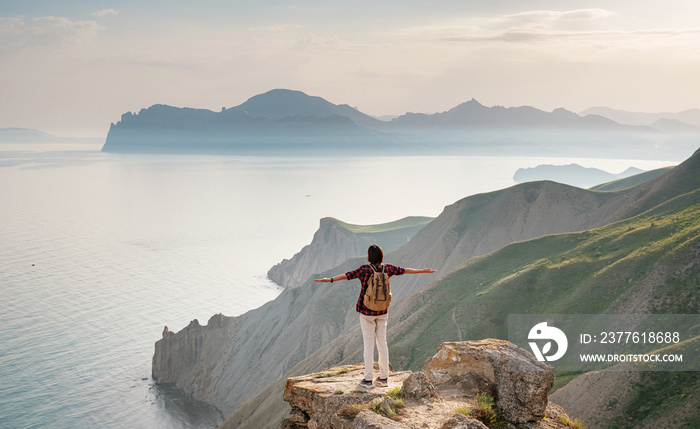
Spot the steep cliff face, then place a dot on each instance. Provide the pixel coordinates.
(335, 242)
(233, 358)
(178, 357)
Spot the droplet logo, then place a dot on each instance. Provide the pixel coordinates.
(543, 332)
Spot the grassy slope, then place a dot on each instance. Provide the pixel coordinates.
(661, 398)
(631, 181)
(659, 394)
(587, 272)
(390, 235)
(406, 222)
(625, 400)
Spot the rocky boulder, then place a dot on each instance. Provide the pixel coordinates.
(417, 386)
(518, 382)
(445, 395)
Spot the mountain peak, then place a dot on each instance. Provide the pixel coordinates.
(282, 93)
(281, 103)
(468, 106)
(286, 102)
(473, 102)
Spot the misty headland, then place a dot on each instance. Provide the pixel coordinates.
(286, 122)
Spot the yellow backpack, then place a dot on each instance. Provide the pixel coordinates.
(378, 293)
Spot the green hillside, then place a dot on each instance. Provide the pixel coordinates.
(626, 400)
(662, 393)
(606, 270)
(628, 182)
(407, 222)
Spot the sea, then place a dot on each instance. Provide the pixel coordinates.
(99, 252)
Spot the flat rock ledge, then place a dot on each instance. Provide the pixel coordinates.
(450, 381)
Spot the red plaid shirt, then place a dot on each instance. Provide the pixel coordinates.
(364, 273)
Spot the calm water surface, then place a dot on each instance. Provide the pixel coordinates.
(99, 251)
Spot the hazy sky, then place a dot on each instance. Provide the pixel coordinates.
(72, 67)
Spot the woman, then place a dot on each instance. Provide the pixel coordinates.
(373, 323)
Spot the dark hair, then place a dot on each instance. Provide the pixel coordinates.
(375, 254)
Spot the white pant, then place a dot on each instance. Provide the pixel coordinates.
(374, 327)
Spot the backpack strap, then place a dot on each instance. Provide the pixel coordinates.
(375, 270)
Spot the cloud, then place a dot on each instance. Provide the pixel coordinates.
(10, 25)
(20, 34)
(390, 74)
(311, 40)
(281, 28)
(104, 12)
(581, 26)
(547, 17)
(523, 35)
(523, 26)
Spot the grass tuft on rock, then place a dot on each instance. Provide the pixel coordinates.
(326, 374)
(395, 393)
(485, 411)
(569, 422)
(350, 411)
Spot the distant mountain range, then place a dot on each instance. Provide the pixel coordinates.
(473, 114)
(28, 135)
(291, 121)
(685, 121)
(572, 174)
(631, 181)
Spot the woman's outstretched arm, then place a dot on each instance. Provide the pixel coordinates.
(420, 271)
(332, 279)
(345, 277)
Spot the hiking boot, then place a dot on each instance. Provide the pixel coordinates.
(381, 382)
(365, 384)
